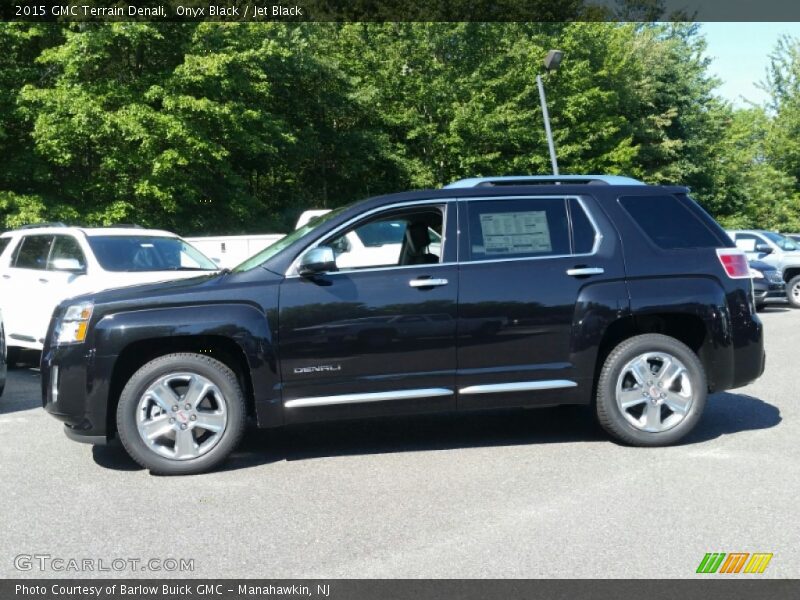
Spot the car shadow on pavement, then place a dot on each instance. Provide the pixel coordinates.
(728, 413)
(772, 308)
(725, 414)
(113, 456)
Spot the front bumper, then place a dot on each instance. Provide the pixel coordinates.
(764, 291)
(75, 388)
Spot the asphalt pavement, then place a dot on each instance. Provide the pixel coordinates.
(538, 493)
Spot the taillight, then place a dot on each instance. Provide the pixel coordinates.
(734, 262)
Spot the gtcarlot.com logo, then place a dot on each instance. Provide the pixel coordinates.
(734, 562)
(48, 562)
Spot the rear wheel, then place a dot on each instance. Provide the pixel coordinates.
(651, 391)
(793, 291)
(181, 414)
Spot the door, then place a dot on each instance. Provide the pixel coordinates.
(379, 337)
(66, 276)
(24, 307)
(525, 262)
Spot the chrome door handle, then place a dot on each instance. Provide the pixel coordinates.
(583, 271)
(420, 283)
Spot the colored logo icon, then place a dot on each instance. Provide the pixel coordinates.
(734, 562)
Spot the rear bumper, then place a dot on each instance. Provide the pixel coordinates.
(746, 343)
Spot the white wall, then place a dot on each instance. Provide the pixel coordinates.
(228, 251)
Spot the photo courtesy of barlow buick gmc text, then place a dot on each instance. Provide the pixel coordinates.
(352, 300)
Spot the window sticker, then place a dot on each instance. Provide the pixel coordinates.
(516, 232)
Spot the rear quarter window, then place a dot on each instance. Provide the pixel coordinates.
(668, 223)
(4, 244)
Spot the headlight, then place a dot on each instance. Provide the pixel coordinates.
(72, 327)
(756, 274)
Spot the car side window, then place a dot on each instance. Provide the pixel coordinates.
(33, 251)
(747, 242)
(518, 228)
(66, 252)
(396, 238)
(4, 244)
(668, 223)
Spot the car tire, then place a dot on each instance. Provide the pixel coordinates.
(793, 291)
(162, 433)
(760, 306)
(640, 404)
(12, 355)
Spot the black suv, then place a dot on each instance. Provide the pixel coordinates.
(490, 293)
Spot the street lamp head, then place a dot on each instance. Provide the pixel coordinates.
(553, 60)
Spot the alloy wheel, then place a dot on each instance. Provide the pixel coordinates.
(181, 416)
(654, 392)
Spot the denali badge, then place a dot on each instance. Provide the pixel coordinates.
(318, 369)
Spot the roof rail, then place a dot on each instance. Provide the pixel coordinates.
(125, 226)
(544, 180)
(40, 225)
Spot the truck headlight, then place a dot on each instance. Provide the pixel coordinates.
(72, 327)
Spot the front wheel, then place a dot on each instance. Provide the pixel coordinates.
(651, 391)
(793, 291)
(181, 414)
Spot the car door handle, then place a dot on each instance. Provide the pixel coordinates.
(6, 276)
(43, 280)
(420, 283)
(584, 271)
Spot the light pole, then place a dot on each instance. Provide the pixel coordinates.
(551, 63)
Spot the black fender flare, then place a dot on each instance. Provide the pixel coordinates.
(242, 323)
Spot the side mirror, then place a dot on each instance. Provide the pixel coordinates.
(317, 260)
(763, 248)
(70, 265)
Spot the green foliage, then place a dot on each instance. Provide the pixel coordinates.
(234, 128)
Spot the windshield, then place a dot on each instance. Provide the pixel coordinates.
(270, 251)
(142, 253)
(781, 242)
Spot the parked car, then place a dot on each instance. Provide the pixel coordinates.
(601, 291)
(41, 266)
(2, 355)
(768, 283)
(776, 250)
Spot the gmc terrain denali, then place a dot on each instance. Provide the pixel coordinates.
(538, 291)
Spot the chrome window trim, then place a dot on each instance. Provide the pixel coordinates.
(518, 386)
(291, 272)
(367, 397)
(598, 234)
